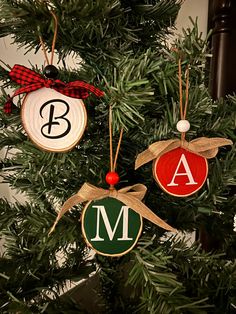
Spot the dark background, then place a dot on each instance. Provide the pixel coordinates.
(222, 22)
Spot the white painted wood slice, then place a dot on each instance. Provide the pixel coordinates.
(53, 121)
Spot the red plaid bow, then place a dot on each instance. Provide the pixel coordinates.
(32, 81)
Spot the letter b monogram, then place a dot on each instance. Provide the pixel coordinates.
(53, 121)
(58, 125)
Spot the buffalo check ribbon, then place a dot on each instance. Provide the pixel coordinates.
(31, 81)
(8, 106)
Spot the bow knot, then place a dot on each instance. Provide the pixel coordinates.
(48, 83)
(184, 144)
(113, 193)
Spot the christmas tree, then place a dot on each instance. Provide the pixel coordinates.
(121, 48)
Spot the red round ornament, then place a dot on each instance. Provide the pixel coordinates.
(180, 172)
(112, 178)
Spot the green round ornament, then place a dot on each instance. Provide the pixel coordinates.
(110, 227)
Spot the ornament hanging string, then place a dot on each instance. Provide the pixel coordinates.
(53, 41)
(183, 111)
(118, 149)
(202, 146)
(113, 164)
(131, 196)
(31, 81)
(110, 138)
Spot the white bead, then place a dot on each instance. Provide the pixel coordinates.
(183, 126)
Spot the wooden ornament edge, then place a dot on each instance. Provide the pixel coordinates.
(163, 188)
(23, 105)
(101, 253)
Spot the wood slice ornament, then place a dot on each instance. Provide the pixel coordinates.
(180, 167)
(53, 113)
(180, 172)
(53, 121)
(110, 227)
(112, 219)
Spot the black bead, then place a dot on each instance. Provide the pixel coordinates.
(50, 71)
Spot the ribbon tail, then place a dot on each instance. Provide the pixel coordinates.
(7, 108)
(144, 211)
(211, 153)
(143, 158)
(208, 147)
(96, 91)
(87, 192)
(139, 190)
(27, 89)
(73, 200)
(24, 76)
(155, 150)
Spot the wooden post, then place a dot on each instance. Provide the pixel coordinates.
(222, 78)
(222, 20)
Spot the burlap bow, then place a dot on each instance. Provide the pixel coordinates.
(203, 146)
(131, 196)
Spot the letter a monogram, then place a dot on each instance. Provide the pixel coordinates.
(187, 172)
(110, 227)
(180, 172)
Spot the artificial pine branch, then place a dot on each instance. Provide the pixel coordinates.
(156, 272)
(123, 50)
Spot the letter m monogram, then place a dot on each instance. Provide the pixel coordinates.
(101, 213)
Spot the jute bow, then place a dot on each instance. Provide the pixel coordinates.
(131, 196)
(32, 81)
(203, 146)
